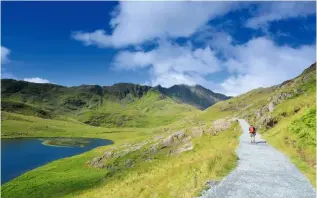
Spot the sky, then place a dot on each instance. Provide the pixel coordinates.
(227, 47)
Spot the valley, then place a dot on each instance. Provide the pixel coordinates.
(167, 142)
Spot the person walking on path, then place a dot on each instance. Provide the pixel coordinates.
(252, 133)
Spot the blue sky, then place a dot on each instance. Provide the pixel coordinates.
(228, 47)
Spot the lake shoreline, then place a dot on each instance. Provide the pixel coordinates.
(21, 155)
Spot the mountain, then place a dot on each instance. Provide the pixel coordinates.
(182, 157)
(119, 105)
(284, 114)
(197, 95)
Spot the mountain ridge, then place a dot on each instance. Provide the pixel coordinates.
(119, 105)
(122, 89)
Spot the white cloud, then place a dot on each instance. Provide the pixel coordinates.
(261, 63)
(4, 55)
(258, 63)
(137, 22)
(36, 80)
(274, 11)
(171, 63)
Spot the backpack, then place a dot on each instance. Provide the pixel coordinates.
(252, 129)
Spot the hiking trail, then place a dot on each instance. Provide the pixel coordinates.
(262, 172)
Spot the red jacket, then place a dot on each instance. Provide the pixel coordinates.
(253, 129)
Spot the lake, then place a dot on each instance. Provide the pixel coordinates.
(21, 155)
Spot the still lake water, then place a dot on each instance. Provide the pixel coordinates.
(21, 155)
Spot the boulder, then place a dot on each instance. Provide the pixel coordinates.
(108, 154)
(173, 139)
(179, 134)
(221, 124)
(268, 121)
(186, 139)
(185, 147)
(168, 141)
(197, 132)
(96, 162)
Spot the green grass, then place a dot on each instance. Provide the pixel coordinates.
(148, 111)
(181, 175)
(141, 119)
(295, 136)
(17, 126)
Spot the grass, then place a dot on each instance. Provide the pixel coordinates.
(18, 126)
(295, 136)
(165, 175)
(176, 176)
(148, 111)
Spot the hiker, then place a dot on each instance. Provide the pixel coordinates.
(252, 133)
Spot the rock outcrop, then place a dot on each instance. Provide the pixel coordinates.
(197, 132)
(173, 139)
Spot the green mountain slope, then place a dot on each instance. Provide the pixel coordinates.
(285, 114)
(200, 146)
(196, 95)
(120, 105)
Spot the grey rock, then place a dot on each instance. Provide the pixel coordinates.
(173, 139)
(222, 124)
(97, 162)
(271, 106)
(211, 183)
(186, 139)
(185, 147)
(168, 141)
(179, 134)
(108, 154)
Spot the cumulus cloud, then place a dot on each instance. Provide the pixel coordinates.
(36, 80)
(171, 63)
(261, 63)
(257, 63)
(274, 11)
(137, 22)
(4, 55)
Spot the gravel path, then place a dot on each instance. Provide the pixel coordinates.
(262, 171)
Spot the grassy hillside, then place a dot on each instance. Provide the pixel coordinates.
(151, 110)
(128, 118)
(172, 159)
(196, 95)
(154, 170)
(120, 105)
(285, 114)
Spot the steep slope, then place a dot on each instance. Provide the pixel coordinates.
(285, 114)
(197, 95)
(119, 105)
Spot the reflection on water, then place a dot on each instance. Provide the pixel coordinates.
(66, 142)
